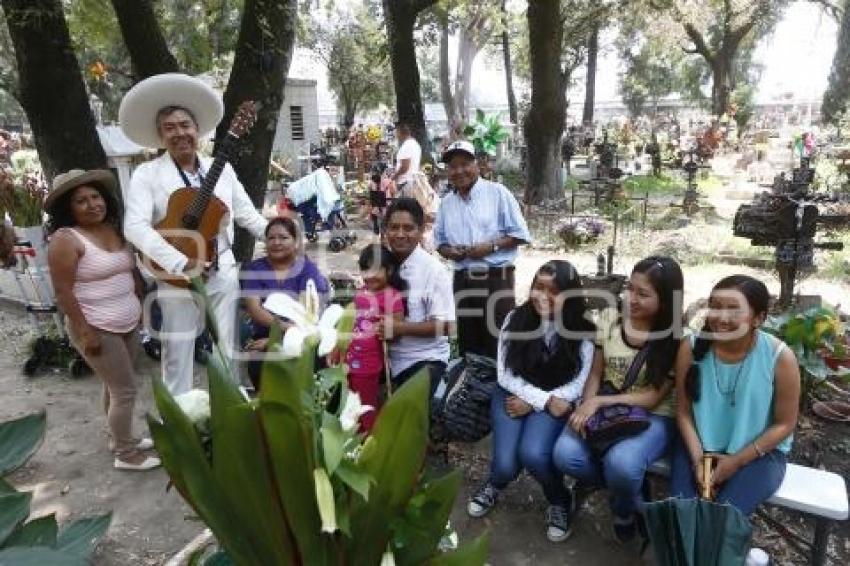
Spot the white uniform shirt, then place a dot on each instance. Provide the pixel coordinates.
(429, 297)
(531, 394)
(409, 150)
(147, 204)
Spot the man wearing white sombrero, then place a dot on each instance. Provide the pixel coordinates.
(173, 111)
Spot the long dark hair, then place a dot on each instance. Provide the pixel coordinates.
(376, 255)
(60, 215)
(758, 297)
(666, 278)
(528, 357)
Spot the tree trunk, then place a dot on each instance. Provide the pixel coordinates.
(51, 87)
(590, 88)
(445, 84)
(466, 52)
(721, 85)
(400, 17)
(544, 123)
(260, 66)
(838, 89)
(509, 78)
(143, 37)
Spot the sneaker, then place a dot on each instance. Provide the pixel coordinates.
(625, 529)
(145, 444)
(483, 500)
(149, 463)
(558, 527)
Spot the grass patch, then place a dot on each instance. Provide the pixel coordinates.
(638, 185)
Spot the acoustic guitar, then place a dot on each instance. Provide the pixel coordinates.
(194, 215)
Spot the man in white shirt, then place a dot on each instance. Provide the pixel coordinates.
(421, 340)
(407, 158)
(173, 111)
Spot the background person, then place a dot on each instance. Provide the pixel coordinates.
(98, 289)
(407, 158)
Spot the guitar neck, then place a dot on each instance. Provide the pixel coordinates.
(199, 205)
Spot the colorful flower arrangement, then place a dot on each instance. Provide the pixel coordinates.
(22, 196)
(577, 231)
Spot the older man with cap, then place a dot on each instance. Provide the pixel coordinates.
(173, 111)
(479, 226)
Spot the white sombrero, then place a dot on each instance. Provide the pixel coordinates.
(137, 114)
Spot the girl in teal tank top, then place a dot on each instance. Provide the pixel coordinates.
(738, 391)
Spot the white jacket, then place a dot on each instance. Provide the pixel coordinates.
(147, 202)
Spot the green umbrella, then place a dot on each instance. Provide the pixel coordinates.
(696, 532)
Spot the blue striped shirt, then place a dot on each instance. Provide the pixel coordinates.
(490, 212)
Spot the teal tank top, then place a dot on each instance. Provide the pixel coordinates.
(730, 417)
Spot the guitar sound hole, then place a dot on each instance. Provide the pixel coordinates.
(191, 222)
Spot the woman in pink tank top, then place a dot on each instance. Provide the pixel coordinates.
(98, 288)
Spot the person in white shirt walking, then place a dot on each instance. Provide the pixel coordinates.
(407, 158)
(173, 111)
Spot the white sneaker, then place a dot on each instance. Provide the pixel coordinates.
(145, 444)
(149, 463)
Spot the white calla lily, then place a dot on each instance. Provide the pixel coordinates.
(388, 559)
(306, 319)
(352, 411)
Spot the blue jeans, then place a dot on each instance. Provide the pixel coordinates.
(623, 466)
(746, 490)
(525, 442)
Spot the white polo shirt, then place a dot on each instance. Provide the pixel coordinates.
(429, 297)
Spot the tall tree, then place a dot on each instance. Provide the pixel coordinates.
(354, 51)
(50, 87)
(508, 66)
(544, 123)
(838, 89)
(717, 30)
(590, 80)
(400, 17)
(260, 66)
(144, 38)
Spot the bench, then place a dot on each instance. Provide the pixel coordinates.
(815, 492)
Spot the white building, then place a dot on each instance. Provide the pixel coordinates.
(297, 125)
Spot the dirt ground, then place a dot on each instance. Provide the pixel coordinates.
(72, 475)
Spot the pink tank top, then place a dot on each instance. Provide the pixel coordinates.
(105, 288)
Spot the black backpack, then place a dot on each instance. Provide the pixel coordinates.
(463, 413)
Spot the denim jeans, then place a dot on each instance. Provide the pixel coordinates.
(525, 442)
(746, 490)
(623, 466)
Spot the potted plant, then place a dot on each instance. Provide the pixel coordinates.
(22, 192)
(816, 336)
(485, 133)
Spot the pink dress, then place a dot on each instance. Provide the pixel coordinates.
(365, 357)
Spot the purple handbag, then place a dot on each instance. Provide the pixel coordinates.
(611, 424)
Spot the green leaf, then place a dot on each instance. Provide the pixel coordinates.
(38, 556)
(292, 458)
(14, 510)
(284, 381)
(356, 479)
(242, 464)
(19, 439)
(472, 554)
(393, 456)
(345, 329)
(333, 442)
(220, 558)
(80, 538)
(5, 487)
(424, 523)
(38, 532)
(184, 459)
